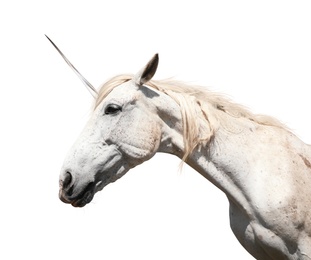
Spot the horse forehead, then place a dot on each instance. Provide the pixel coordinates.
(125, 91)
(129, 91)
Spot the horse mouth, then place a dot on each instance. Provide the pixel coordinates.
(80, 200)
(87, 194)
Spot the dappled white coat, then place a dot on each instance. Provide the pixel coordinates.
(264, 169)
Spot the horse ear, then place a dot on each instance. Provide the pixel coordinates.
(148, 71)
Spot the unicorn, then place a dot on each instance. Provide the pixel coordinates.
(261, 166)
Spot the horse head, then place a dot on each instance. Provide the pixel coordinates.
(130, 123)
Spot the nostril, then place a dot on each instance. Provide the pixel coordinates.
(70, 191)
(67, 180)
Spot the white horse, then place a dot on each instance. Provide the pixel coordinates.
(263, 168)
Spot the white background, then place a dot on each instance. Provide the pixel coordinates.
(257, 52)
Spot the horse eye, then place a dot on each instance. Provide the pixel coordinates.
(112, 109)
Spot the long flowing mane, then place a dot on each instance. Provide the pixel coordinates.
(199, 126)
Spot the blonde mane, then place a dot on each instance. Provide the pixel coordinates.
(202, 110)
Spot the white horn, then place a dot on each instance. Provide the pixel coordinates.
(88, 85)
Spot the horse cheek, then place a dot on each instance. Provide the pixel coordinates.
(141, 141)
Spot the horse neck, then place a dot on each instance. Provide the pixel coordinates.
(225, 160)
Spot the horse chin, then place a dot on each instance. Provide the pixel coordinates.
(85, 199)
